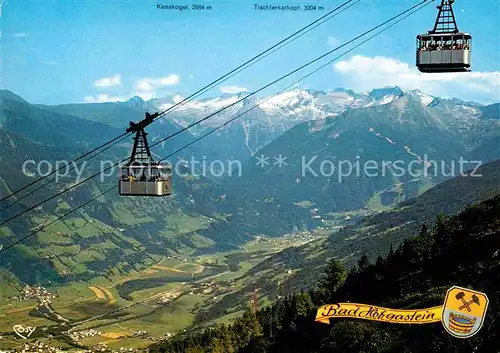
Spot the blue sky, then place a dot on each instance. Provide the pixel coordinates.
(73, 51)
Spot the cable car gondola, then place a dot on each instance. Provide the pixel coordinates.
(142, 176)
(444, 49)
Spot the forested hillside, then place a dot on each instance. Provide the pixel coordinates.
(207, 212)
(463, 250)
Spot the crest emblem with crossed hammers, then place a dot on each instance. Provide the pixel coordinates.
(467, 305)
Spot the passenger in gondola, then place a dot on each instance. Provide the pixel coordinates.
(444, 38)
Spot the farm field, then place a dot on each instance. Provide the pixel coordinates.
(135, 309)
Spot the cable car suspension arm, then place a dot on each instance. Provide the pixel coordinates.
(445, 21)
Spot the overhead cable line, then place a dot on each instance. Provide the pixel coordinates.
(323, 19)
(415, 8)
(221, 79)
(55, 171)
(423, 4)
(330, 13)
(288, 74)
(218, 111)
(73, 166)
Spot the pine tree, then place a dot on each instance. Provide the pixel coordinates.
(334, 277)
(391, 252)
(424, 232)
(363, 263)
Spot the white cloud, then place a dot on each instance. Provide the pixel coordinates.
(108, 81)
(101, 98)
(232, 89)
(146, 87)
(365, 73)
(20, 35)
(151, 84)
(332, 41)
(169, 80)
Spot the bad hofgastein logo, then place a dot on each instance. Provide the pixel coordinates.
(376, 313)
(462, 313)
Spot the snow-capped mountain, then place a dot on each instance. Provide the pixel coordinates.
(277, 113)
(425, 134)
(258, 120)
(285, 109)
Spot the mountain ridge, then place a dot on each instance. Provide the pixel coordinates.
(414, 275)
(240, 210)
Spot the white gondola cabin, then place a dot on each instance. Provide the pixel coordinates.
(145, 180)
(142, 176)
(444, 49)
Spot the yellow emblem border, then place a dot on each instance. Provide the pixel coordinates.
(445, 325)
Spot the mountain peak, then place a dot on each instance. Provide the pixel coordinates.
(6, 94)
(135, 99)
(314, 92)
(380, 93)
(137, 102)
(424, 98)
(242, 94)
